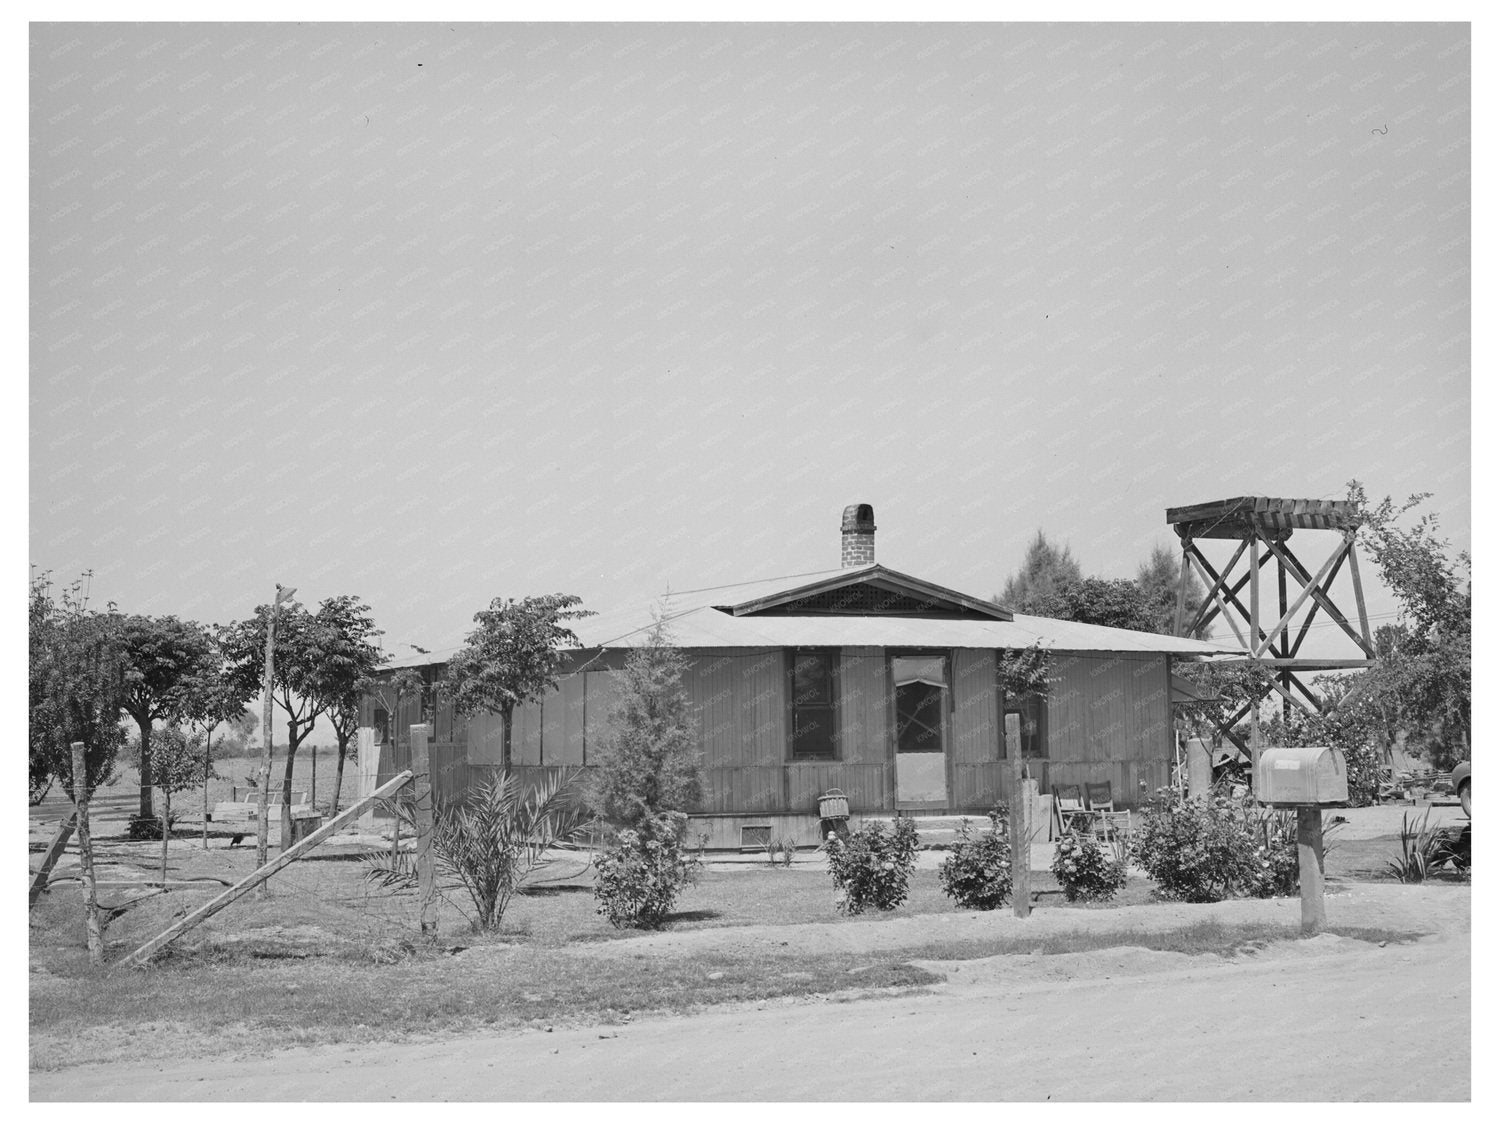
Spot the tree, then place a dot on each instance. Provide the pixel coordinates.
(79, 677)
(512, 657)
(165, 654)
(1158, 578)
(650, 762)
(212, 697)
(1112, 602)
(299, 652)
(1425, 660)
(1043, 570)
(350, 655)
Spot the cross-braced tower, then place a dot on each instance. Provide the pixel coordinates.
(1262, 527)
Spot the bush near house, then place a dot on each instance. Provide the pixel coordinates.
(642, 874)
(872, 868)
(1084, 871)
(977, 874)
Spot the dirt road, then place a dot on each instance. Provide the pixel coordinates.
(1327, 1019)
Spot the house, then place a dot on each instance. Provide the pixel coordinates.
(860, 678)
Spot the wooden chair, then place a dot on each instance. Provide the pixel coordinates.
(1071, 813)
(1101, 803)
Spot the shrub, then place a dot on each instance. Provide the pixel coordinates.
(872, 868)
(1275, 870)
(640, 877)
(489, 845)
(1196, 850)
(141, 828)
(977, 875)
(1084, 871)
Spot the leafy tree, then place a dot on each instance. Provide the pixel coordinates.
(79, 678)
(1425, 659)
(1112, 602)
(512, 657)
(165, 654)
(315, 653)
(1044, 569)
(650, 762)
(350, 656)
(210, 698)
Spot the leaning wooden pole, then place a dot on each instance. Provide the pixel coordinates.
(262, 828)
(91, 919)
(239, 889)
(49, 860)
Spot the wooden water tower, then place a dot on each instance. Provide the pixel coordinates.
(1261, 527)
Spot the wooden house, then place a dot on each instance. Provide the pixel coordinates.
(862, 679)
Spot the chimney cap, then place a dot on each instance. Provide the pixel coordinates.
(859, 518)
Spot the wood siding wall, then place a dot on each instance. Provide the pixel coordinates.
(1108, 717)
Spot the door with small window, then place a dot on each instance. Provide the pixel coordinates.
(922, 696)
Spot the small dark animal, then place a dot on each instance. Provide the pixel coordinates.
(238, 836)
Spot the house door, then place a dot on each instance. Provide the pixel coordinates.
(921, 690)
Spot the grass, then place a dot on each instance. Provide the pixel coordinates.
(327, 958)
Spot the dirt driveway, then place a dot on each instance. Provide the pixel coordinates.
(1327, 1019)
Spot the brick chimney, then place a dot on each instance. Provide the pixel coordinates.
(858, 535)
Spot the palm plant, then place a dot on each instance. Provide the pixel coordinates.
(492, 843)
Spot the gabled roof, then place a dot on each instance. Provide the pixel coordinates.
(758, 615)
(868, 590)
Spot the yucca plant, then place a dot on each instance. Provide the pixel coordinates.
(1416, 848)
(491, 844)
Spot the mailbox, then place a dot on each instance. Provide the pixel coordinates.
(1301, 775)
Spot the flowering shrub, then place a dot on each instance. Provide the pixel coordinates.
(1084, 871)
(977, 873)
(870, 867)
(1275, 872)
(639, 879)
(1197, 850)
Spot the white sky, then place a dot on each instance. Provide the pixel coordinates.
(437, 313)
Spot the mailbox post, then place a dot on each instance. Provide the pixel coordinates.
(1307, 778)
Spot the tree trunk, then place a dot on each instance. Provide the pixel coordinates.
(147, 808)
(505, 715)
(338, 775)
(286, 785)
(208, 757)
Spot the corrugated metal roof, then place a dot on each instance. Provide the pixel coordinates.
(695, 623)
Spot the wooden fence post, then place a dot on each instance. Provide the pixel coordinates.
(86, 856)
(369, 765)
(1020, 841)
(1310, 868)
(421, 768)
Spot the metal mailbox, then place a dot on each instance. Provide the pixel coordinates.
(1301, 775)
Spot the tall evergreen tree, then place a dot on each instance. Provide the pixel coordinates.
(1045, 569)
(650, 762)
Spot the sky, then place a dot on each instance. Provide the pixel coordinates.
(435, 313)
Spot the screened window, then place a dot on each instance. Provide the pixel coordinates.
(382, 725)
(813, 708)
(1024, 726)
(921, 683)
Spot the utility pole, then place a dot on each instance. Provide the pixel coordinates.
(283, 593)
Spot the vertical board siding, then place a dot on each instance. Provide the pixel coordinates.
(864, 708)
(569, 746)
(526, 735)
(599, 698)
(739, 703)
(1109, 718)
(486, 738)
(975, 724)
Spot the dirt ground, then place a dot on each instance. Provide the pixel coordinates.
(1331, 1018)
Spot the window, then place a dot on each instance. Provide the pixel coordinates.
(921, 684)
(813, 714)
(382, 725)
(1024, 725)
